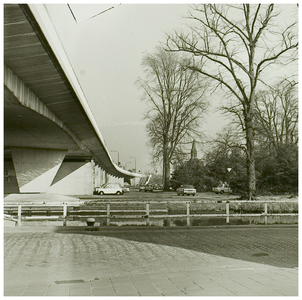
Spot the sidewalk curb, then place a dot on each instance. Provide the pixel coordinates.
(100, 229)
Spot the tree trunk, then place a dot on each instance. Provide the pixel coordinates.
(250, 159)
(166, 167)
(167, 175)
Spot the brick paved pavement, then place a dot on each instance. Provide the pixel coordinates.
(222, 261)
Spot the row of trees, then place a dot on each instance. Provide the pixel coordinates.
(276, 149)
(276, 173)
(230, 48)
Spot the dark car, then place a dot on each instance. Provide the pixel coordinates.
(186, 190)
(142, 188)
(222, 188)
(158, 187)
(149, 188)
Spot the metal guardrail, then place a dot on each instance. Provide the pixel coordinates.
(116, 210)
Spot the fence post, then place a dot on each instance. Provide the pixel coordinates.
(188, 214)
(19, 215)
(147, 214)
(265, 213)
(227, 212)
(64, 214)
(108, 215)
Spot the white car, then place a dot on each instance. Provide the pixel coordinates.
(109, 189)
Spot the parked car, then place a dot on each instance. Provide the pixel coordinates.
(149, 188)
(173, 185)
(109, 189)
(186, 190)
(222, 188)
(158, 187)
(142, 188)
(125, 189)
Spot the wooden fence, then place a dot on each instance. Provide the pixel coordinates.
(112, 212)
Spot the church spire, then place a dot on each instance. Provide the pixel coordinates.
(193, 150)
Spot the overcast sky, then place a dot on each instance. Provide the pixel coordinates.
(106, 51)
(105, 45)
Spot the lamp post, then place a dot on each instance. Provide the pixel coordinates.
(229, 171)
(118, 156)
(134, 163)
(128, 162)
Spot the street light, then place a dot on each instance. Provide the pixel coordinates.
(134, 163)
(128, 162)
(118, 156)
(229, 171)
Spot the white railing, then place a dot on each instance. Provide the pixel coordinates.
(104, 210)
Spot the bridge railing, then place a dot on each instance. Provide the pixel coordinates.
(112, 212)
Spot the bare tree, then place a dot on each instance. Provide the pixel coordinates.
(175, 96)
(234, 45)
(276, 115)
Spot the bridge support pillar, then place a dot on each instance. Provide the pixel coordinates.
(36, 168)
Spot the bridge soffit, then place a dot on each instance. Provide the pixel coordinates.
(27, 98)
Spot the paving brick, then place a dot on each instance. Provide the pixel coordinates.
(265, 291)
(197, 293)
(151, 262)
(80, 289)
(81, 286)
(172, 293)
(149, 293)
(221, 293)
(14, 290)
(240, 290)
(145, 288)
(160, 280)
(126, 291)
(184, 285)
(192, 288)
(286, 291)
(121, 280)
(34, 293)
(80, 292)
(58, 290)
(139, 278)
(245, 293)
(101, 283)
(203, 282)
(36, 290)
(157, 276)
(106, 291)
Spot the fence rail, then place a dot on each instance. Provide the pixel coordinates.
(153, 210)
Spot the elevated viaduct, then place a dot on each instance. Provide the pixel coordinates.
(51, 141)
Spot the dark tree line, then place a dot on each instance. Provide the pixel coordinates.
(276, 149)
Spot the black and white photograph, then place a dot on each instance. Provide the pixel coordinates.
(150, 149)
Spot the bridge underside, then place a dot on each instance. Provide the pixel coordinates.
(45, 123)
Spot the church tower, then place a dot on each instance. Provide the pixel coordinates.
(193, 151)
